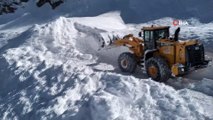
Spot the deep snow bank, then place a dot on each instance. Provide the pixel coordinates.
(49, 71)
(129, 98)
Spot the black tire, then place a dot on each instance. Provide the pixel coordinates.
(130, 65)
(163, 70)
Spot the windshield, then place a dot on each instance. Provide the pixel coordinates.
(161, 34)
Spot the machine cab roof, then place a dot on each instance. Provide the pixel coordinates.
(152, 28)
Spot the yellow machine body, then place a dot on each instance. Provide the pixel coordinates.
(174, 52)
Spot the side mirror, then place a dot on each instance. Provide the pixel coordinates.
(140, 34)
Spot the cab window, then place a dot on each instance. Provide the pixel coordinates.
(159, 34)
(148, 35)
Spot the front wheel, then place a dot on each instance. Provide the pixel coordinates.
(127, 62)
(158, 69)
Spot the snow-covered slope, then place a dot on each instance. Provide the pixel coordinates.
(55, 70)
(132, 11)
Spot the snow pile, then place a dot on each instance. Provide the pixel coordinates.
(54, 71)
(131, 99)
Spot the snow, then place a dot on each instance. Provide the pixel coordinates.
(145, 99)
(56, 70)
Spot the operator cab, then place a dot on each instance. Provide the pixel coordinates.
(153, 34)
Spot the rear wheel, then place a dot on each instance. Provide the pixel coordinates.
(127, 62)
(158, 69)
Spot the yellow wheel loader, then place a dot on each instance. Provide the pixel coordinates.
(160, 55)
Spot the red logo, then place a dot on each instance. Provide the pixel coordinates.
(176, 22)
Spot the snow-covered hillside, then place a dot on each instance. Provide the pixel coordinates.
(53, 67)
(132, 11)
